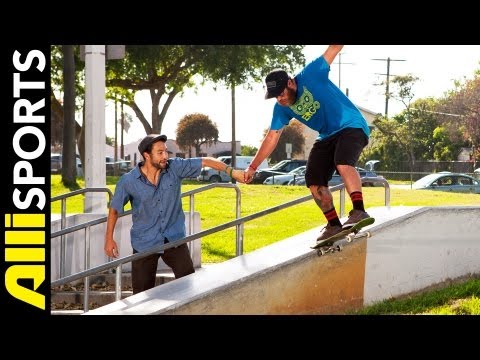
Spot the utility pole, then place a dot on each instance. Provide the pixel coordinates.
(387, 93)
(115, 156)
(339, 63)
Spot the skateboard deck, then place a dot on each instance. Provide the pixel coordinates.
(350, 234)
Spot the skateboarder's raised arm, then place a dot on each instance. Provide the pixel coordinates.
(331, 52)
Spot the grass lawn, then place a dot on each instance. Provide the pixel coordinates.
(217, 206)
(460, 298)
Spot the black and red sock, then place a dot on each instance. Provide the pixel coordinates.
(357, 200)
(332, 217)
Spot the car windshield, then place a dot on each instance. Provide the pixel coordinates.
(279, 165)
(426, 180)
(300, 170)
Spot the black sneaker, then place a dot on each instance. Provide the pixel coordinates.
(354, 217)
(328, 232)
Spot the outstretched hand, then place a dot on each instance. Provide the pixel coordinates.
(248, 174)
(238, 175)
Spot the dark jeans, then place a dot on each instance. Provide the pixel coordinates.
(144, 271)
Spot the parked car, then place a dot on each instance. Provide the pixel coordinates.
(476, 174)
(337, 179)
(118, 167)
(281, 168)
(56, 164)
(285, 179)
(241, 162)
(447, 181)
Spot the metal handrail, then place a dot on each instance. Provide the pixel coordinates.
(88, 224)
(237, 222)
(63, 219)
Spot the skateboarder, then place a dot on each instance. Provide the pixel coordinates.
(314, 100)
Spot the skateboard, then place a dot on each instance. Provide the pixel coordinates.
(349, 234)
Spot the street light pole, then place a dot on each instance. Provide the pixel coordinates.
(339, 63)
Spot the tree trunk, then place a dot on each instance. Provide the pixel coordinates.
(69, 169)
(80, 136)
(115, 155)
(122, 153)
(234, 142)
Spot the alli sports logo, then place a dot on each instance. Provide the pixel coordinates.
(26, 217)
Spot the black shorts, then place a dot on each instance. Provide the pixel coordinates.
(343, 148)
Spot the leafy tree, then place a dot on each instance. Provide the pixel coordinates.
(444, 148)
(237, 64)
(401, 127)
(194, 130)
(57, 105)
(423, 123)
(292, 134)
(166, 70)
(163, 70)
(248, 150)
(384, 148)
(438, 127)
(460, 110)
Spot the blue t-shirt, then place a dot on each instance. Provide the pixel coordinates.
(320, 104)
(157, 212)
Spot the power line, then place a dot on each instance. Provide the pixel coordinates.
(437, 112)
(387, 94)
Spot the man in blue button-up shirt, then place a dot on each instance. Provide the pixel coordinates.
(153, 188)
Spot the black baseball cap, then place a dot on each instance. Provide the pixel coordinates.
(149, 140)
(276, 82)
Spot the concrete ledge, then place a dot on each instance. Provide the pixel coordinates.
(284, 278)
(411, 248)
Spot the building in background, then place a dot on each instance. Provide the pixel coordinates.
(219, 149)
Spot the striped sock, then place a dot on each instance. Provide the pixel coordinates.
(357, 200)
(332, 217)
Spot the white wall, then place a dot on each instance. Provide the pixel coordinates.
(75, 244)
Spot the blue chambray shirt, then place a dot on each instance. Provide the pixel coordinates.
(157, 212)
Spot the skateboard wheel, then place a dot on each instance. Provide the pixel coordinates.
(367, 234)
(339, 247)
(350, 238)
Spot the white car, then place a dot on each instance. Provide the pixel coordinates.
(447, 181)
(286, 178)
(242, 162)
(476, 174)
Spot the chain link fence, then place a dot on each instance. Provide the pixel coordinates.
(402, 170)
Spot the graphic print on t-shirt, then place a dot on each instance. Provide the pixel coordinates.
(306, 106)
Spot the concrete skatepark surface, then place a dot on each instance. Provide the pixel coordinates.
(411, 248)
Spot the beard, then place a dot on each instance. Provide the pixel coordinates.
(159, 165)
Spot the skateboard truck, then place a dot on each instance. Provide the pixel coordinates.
(356, 235)
(326, 249)
(349, 234)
